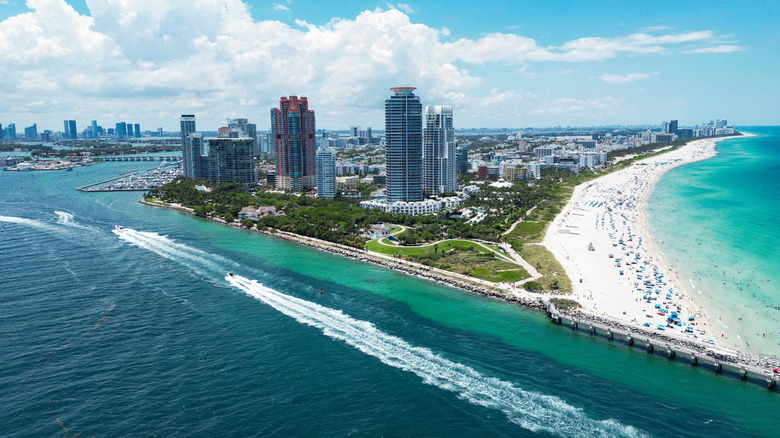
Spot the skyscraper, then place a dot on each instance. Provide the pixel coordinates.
(187, 122)
(439, 161)
(193, 157)
(293, 135)
(10, 131)
(2, 132)
(94, 129)
(403, 145)
(326, 172)
(31, 132)
(231, 160)
(137, 129)
(120, 130)
(74, 133)
(673, 127)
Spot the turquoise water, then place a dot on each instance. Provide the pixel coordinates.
(139, 332)
(718, 221)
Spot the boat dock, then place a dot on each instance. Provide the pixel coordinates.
(713, 358)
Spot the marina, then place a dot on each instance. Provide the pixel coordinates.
(131, 181)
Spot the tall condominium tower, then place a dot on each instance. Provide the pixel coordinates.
(439, 161)
(74, 134)
(292, 128)
(120, 130)
(231, 160)
(403, 145)
(193, 154)
(187, 123)
(326, 172)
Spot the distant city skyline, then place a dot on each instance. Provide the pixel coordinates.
(570, 64)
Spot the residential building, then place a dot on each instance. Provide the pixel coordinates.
(31, 132)
(231, 160)
(403, 146)
(195, 160)
(462, 153)
(326, 172)
(10, 131)
(137, 130)
(293, 134)
(120, 130)
(187, 123)
(439, 161)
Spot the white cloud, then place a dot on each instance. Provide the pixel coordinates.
(403, 7)
(724, 48)
(626, 78)
(155, 59)
(281, 7)
(656, 28)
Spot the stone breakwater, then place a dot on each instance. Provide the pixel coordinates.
(735, 358)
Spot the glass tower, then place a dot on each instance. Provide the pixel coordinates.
(403, 145)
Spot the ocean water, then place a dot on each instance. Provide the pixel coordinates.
(718, 222)
(141, 332)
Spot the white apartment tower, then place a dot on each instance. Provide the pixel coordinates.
(439, 159)
(326, 172)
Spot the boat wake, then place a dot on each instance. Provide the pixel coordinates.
(531, 410)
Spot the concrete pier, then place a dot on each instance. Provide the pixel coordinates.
(718, 361)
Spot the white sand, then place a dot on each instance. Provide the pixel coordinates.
(598, 284)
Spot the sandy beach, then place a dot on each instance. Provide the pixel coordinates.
(602, 240)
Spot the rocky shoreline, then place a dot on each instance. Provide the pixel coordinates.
(422, 271)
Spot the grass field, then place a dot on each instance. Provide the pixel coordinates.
(375, 246)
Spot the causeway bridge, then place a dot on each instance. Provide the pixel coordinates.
(139, 157)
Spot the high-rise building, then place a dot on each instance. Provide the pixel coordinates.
(231, 160)
(187, 123)
(10, 131)
(66, 129)
(293, 133)
(120, 130)
(439, 162)
(137, 129)
(74, 133)
(403, 145)
(326, 172)
(193, 157)
(2, 132)
(246, 130)
(94, 129)
(354, 131)
(463, 159)
(672, 127)
(31, 132)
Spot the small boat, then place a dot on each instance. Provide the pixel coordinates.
(321, 291)
(230, 274)
(69, 169)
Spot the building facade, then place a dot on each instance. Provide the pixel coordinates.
(293, 135)
(439, 160)
(403, 146)
(231, 160)
(326, 172)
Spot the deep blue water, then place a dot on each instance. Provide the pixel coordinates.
(134, 333)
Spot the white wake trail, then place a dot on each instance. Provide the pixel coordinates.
(531, 410)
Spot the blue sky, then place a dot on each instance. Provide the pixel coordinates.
(499, 63)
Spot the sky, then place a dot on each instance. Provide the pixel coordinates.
(503, 63)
